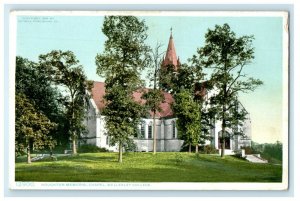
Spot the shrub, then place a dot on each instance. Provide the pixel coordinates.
(130, 146)
(88, 148)
(270, 151)
(208, 149)
(178, 158)
(273, 152)
(238, 154)
(249, 150)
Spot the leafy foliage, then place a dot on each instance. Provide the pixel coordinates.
(270, 151)
(125, 56)
(227, 55)
(64, 70)
(154, 97)
(33, 82)
(88, 148)
(173, 81)
(187, 79)
(130, 145)
(188, 117)
(32, 127)
(208, 149)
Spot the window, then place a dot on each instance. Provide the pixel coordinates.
(142, 130)
(173, 129)
(107, 140)
(136, 133)
(226, 139)
(150, 130)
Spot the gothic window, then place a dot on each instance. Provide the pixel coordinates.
(150, 130)
(173, 129)
(142, 130)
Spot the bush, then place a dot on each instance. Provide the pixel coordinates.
(238, 154)
(130, 146)
(178, 158)
(88, 148)
(208, 149)
(249, 150)
(197, 155)
(270, 151)
(273, 152)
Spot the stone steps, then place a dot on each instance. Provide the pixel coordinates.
(255, 159)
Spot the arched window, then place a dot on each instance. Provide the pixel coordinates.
(226, 139)
(150, 130)
(173, 129)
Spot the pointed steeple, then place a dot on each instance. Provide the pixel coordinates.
(171, 57)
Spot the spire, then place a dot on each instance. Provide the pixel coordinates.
(171, 57)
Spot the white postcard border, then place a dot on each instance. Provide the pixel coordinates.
(144, 185)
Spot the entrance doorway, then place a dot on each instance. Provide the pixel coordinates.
(227, 141)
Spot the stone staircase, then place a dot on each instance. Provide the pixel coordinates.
(254, 158)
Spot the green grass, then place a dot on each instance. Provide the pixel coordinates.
(146, 167)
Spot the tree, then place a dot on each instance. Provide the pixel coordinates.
(154, 97)
(167, 79)
(227, 55)
(33, 82)
(188, 79)
(64, 70)
(32, 127)
(188, 117)
(124, 57)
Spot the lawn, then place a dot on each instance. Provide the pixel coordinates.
(146, 167)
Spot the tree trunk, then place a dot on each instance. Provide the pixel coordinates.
(28, 154)
(190, 148)
(74, 145)
(223, 139)
(120, 152)
(196, 151)
(74, 150)
(154, 134)
(223, 149)
(223, 126)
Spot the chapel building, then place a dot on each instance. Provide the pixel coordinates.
(167, 134)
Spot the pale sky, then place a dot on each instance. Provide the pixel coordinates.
(82, 35)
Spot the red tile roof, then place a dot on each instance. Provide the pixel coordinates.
(98, 92)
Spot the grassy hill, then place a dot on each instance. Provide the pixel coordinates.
(145, 167)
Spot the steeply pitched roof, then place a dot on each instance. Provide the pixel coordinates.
(98, 92)
(171, 57)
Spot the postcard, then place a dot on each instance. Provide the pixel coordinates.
(148, 100)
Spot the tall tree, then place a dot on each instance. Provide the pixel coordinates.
(33, 82)
(65, 71)
(188, 117)
(227, 55)
(124, 57)
(154, 97)
(32, 127)
(184, 84)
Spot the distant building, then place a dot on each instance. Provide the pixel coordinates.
(167, 136)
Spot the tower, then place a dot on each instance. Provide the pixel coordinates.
(171, 57)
